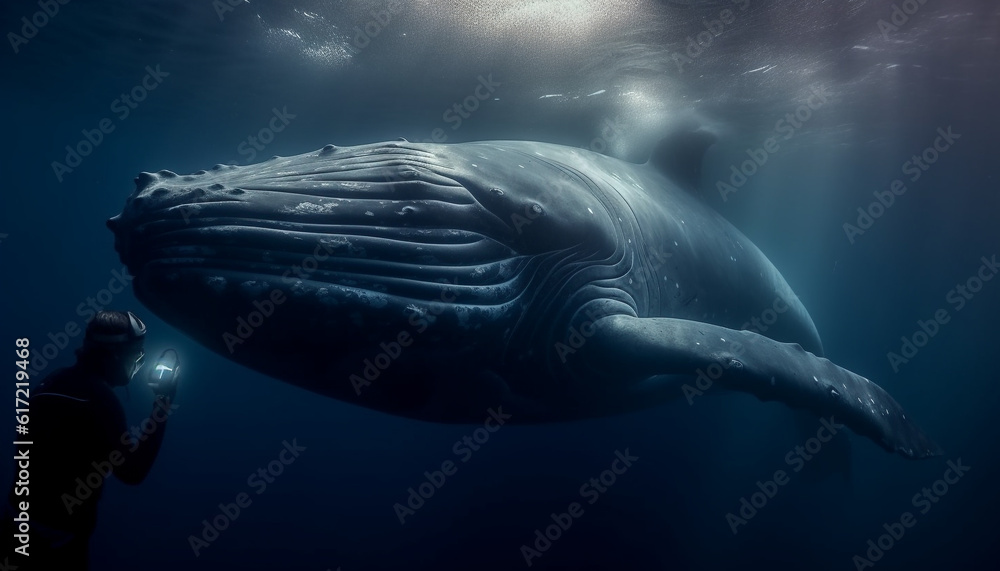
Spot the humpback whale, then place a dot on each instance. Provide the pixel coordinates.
(438, 281)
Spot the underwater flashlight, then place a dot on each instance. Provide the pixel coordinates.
(166, 367)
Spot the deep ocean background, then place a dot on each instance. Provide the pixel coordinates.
(333, 507)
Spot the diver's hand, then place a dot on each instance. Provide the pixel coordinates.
(163, 386)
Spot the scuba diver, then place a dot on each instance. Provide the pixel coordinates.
(80, 438)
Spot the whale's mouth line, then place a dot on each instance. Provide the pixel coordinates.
(165, 228)
(404, 262)
(490, 284)
(493, 284)
(427, 246)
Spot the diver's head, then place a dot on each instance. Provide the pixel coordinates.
(112, 345)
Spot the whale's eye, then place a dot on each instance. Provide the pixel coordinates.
(735, 364)
(536, 208)
(496, 191)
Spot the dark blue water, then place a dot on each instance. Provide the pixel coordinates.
(220, 80)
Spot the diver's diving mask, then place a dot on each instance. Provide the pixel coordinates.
(134, 367)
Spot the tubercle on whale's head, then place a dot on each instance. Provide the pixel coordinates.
(535, 191)
(165, 196)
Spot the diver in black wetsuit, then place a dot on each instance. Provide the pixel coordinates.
(79, 438)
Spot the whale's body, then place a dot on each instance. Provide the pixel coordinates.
(437, 281)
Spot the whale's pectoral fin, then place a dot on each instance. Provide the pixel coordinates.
(761, 366)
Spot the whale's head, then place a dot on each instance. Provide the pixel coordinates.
(302, 266)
